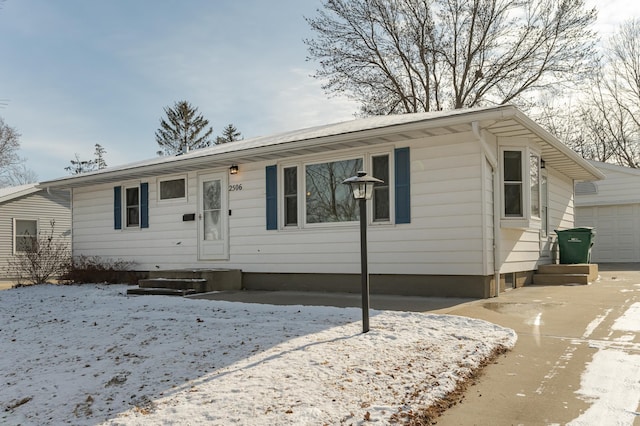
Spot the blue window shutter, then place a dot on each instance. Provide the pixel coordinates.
(117, 207)
(403, 185)
(144, 205)
(272, 197)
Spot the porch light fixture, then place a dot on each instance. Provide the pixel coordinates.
(233, 170)
(362, 189)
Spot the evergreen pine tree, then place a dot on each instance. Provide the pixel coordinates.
(229, 134)
(182, 130)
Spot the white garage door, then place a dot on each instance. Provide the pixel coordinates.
(617, 231)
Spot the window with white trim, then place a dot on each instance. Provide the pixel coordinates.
(132, 207)
(290, 175)
(381, 190)
(512, 172)
(25, 234)
(312, 193)
(521, 192)
(172, 189)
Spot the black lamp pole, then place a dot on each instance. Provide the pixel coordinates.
(362, 188)
(364, 274)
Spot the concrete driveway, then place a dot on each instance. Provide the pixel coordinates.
(577, 359)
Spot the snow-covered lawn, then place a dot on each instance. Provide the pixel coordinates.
(87, 355)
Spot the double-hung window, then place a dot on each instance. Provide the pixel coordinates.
(513, 197)
(25, 234)
(290, 196)
(132, 207)
(521, 195)
(381, 192)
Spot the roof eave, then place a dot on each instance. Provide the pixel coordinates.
(328, 142)
(591, 172)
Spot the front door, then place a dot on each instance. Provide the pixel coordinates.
(212, 218)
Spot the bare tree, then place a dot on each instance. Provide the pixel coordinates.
(183, 130)
(16, 175)
(13, 170)
(9, 146)
(83, 166)
(618, 94)
(397, 56)
(79, 166)
(604, 124)
(580, 125)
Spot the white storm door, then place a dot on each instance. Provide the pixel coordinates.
(213, 232)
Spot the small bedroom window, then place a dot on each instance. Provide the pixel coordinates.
(173, 189)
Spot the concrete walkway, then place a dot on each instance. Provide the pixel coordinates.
(560, 329)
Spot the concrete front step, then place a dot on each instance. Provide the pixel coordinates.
(566, 274)
(196, 284)
(560, 279)
(212, 279)
(160, 291)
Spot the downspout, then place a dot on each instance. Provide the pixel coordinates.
(493, 161)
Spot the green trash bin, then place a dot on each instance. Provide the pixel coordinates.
(575, 245)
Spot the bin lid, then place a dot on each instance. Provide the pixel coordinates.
(590, 229)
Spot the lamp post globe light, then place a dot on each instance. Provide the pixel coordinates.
(362, 189)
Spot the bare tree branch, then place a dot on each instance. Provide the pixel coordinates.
(396, 56)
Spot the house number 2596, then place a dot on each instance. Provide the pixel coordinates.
(236, 187)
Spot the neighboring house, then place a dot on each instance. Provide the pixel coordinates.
(612, 207)
(469, 196)
(25, 212)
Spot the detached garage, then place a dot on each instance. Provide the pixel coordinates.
(612, 206)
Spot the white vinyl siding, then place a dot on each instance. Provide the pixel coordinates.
(444, 237)
(614, 211)
(521, 248)
(617, 229)
(40, 206)
(450, 231)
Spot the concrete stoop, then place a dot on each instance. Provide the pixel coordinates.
(183, 282)
(583, 273)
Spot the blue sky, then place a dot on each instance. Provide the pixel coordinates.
(74, 73)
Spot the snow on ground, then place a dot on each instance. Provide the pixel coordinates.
(91, 355)
(614, 398)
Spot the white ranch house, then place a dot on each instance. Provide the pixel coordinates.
(612, 207)
(470, 199)
(27, 211)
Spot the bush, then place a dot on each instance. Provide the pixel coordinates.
(93, 269)
(40, 259)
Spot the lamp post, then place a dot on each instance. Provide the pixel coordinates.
(362, 189)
